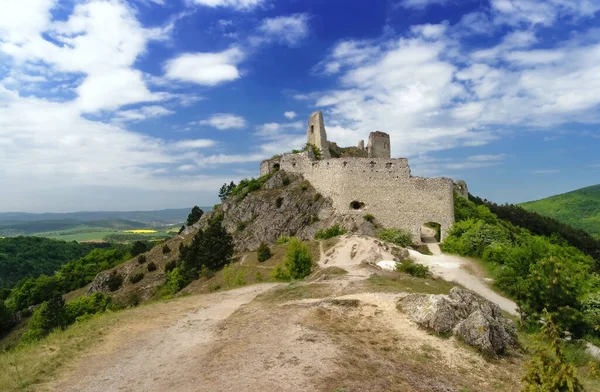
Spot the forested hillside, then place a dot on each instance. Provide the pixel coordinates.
(579, 208)
(26, 257)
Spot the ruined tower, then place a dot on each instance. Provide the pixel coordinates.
(379, 145)
(316, 134)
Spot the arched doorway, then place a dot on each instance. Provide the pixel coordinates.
(431, 232)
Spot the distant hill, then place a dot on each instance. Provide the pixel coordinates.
(579, 208)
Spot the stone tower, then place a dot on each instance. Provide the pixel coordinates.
(316, 134)
(379, 145)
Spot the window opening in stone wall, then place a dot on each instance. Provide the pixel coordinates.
(276, 167)
(431, 232)
(312, 129)
(357, 205)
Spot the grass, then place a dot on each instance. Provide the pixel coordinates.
(295, 291)
(395, 283)
(100, 235)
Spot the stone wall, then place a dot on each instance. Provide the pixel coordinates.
(381, 187)
(316, 134)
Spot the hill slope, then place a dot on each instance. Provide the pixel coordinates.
(579, 208)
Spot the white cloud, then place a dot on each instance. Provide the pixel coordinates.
(192, 144)
(290, 115)
(285, 29)
(240, 5)
(486, 158)
(274, 130)
(208, 69)
(225, 121)
(541, 12)
(420, 4)
(144, 113)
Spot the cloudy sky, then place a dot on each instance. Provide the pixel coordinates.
(149, 104)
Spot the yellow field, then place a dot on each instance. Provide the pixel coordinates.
(140, 231)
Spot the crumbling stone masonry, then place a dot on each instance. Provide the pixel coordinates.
(380, 185)
(317, 135)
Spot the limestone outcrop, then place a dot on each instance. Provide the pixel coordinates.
(287, 205)
(471, 318)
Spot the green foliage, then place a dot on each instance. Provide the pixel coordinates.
(399, 237)
(166, 249)
(226, 190)
(138, 248)
(437, 227)
(286, 181)
(233, 276)
(151, 267)
(6, 319)
(579, 208)
(141, 259)
(333, 231)
(280, 274)
(369, 218)
(170, 266)
(284, 239)
(263, 253)
(50, 315)
(30, 257)
(315, 150)
(414, 269)
(138, 276)
(194, 216)
(304, 186)
(241, 226)
(298, 261)
(114, 282)
(86, 306)
(548, 370)
(247, 186)
(175, 281)
(211, 248)
(317, 197)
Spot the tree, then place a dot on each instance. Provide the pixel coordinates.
(548, 370)
(6, 319)
(49, 316)
(297, 259)
(226, 190)
(194, 216)
(211, 248)
(263, 253)
(138, 248)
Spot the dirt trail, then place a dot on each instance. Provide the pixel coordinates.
(455, 269)
(153, 356)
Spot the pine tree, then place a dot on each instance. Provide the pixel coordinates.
(194, 215)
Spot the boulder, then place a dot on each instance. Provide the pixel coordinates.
(467, 315)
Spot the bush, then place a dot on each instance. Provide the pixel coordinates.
(241, 226)
(304, 186)
(152, 267)
(115, 281)
(263, 253)
(280, 274)
(316, 197)
(369, 218)
(414, 269)
(170, 266)
(333, 231)
(136, 277)
(138, 247)
(141, 259)
(284, 239)
(86, 306)
(211, 249)
(286, 181)
(279, 202)
(175, 281)
(49, 316)
(298, 261)
(233, 276)
(166, 249)
(399, 237)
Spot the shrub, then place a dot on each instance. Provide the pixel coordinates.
(152, 267)
(175, 281)
(333, 231)
(298, 261)
(304, 186)
(369, 218)
(211, 248)
(166, 249)
(399, 237)
(49, 316)
(286, 181)
(414, 269)
(241, 226)
(313, 219)
(141, 259)
(170, 266)
(284, 239)
(86, 306)
(280, 273)
(138, 247)
(279, 202)
(233, 276)
(316, 197)
(136, 277)
(263, 253)
(115, 281)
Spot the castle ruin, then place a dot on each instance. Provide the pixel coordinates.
(372, 182)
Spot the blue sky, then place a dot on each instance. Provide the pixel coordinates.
(148, 104)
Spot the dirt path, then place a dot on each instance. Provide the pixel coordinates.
(154, 356)
(456, 269)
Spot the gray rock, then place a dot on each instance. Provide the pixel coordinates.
(470, 317)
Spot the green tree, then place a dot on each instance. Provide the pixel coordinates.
(138, 248)
(298, 261)
(49, 316)
(263, 253)
(6, 319)
(548, 370)
(211, 248)
(194, 215)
